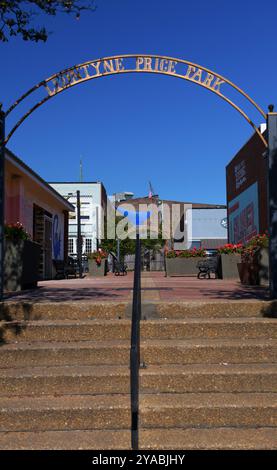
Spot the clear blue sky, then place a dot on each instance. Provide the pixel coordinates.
(133, 128)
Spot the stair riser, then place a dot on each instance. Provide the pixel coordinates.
(39, 420)
(118, 330)
(18, 358)
(209, 354)
(68, 419)
(149, 354)
(208, 417)
(83, 311)
(65, 385)
(191, 438)
(148, 384)
(62, 311)
(66, 440)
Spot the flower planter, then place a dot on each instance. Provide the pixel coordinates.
(97, 269)
(261, 260)
(21, 264)
(248, 274)
(182, 266)
(229, 265)
(255, 273)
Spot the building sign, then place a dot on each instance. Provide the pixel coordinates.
(240, 174)
(243, 212)
(102, 67)
(139, 63)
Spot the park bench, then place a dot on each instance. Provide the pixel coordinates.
(207, 267)
(64, 269)
(118, 267)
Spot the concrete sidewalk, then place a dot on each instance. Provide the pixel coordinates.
(155, 287)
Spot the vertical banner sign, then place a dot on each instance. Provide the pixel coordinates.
(2, 198)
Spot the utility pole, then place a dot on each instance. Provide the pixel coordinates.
(79, 235)
(2, 199)
(272, 199)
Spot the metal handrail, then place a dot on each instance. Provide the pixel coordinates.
(135, 348)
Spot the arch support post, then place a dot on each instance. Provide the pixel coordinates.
(272, 199)
(2, 198)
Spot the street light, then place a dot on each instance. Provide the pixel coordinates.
(79, 234)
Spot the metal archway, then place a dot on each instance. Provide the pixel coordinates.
(134, 63)
(179, 68)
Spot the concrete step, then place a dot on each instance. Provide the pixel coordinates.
(64, 353)
(88, 412)
(65, 380)
(18, 310)
(66, 440)
(264, 438)
(88, 330)
(208, 351)
(65, 412)
(172, 410)
(226, 438)
(173, 351)
(70, 380)
(209, 378)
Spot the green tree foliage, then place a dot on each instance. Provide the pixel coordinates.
(16, 16)
(128, 246)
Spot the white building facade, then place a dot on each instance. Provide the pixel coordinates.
(93, 200)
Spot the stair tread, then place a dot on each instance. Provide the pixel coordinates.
(63, 371)
(33, 345)
(156, 321)
(68, 402)
(118, 370)
(147, 401)
(124, 343)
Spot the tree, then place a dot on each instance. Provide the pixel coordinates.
(16, 16)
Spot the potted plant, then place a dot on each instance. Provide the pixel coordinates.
(253, 269)
(97, 262)
(183, 262)
(21, 259)
(230, 256)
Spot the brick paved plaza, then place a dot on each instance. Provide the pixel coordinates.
(155, 286)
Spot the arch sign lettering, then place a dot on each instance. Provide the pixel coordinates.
(164, 65)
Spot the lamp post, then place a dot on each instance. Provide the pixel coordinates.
(79, 235)
(2, 198)
(117, 239)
